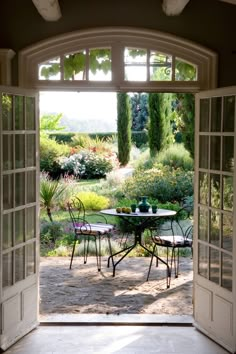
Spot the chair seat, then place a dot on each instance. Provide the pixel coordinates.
(94, 229)
(173, 241)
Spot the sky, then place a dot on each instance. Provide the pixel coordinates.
(84, 105)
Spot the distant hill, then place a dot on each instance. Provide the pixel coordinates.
(88, 126)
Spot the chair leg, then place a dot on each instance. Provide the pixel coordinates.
(110, 250)
(86, 249)
(150, 266)
(73, 251)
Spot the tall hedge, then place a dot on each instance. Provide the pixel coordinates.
(123, 128)
(159, 122)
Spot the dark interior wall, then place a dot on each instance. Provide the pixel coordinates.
(211, 23)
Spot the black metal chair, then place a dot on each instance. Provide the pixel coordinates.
(86, 231)
(175, 234)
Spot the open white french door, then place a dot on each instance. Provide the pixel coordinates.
(19, 175)
(215, 216)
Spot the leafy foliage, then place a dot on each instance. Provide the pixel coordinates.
(50, 122)
(161, 183)
(139, 107)
(93, 201)
(176, 156)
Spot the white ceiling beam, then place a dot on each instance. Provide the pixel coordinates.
(48, 9)
(174, 7)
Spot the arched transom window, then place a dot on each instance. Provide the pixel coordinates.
(118, 59)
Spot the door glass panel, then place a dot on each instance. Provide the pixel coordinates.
(135, 64)
(229, 114)
(30, 223)
(7, 112)
(30, 150)
(7, 152)
(19, 113)
(19, 226)
(203, 188)
(30, 113)
(75, 66)
(203, 151)
(215, 191)
(204, 115)
(214, 275)
(203, 260)
(31, 185)
(228, 193)
(216, 114)
(19, 264)
(215, 228)
(100, 64)
(7, 273)
(30, 259)
(226, 277)
(203, 224)
(7, 192)
(227, 232)
(7, 231)
(160, 66)
(20, 189)
(215, 152)
(228, 154)
(19, 151)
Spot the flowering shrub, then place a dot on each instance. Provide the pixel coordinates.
(88, 164)
(164, 184)
(92, 201)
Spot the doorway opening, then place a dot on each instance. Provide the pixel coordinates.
(83, 290)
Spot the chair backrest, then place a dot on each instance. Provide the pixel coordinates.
(181, 223)
(77, 211)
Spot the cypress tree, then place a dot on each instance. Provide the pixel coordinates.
(123, 128)
(159, 125)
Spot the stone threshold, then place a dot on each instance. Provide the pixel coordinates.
(115, 319)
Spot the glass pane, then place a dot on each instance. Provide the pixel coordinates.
(228, 193)
(20, 189)
(30, 259)
(160, 66)
(227, 232)
(19, 264)
(203, 188)
(216, 114)
(228, 154)
(203, 260)
(30, 223)
(7, 275)
(7, 153)
(214, 266)
(229, 114)
(203, 224)
(31, 147)
(75, 66)
(19, 151)
(7, 112)
(7, 192)
(215, 191)
(215, 152)
(19, 113)
(204, 115)
(226, 280)
(31, 187)
(19, 226)
(30, 113)
(203, 151)
(215, 228)
(7, 231)
(100, 64)
(185, 71)
(135, 64)
(50, 70)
